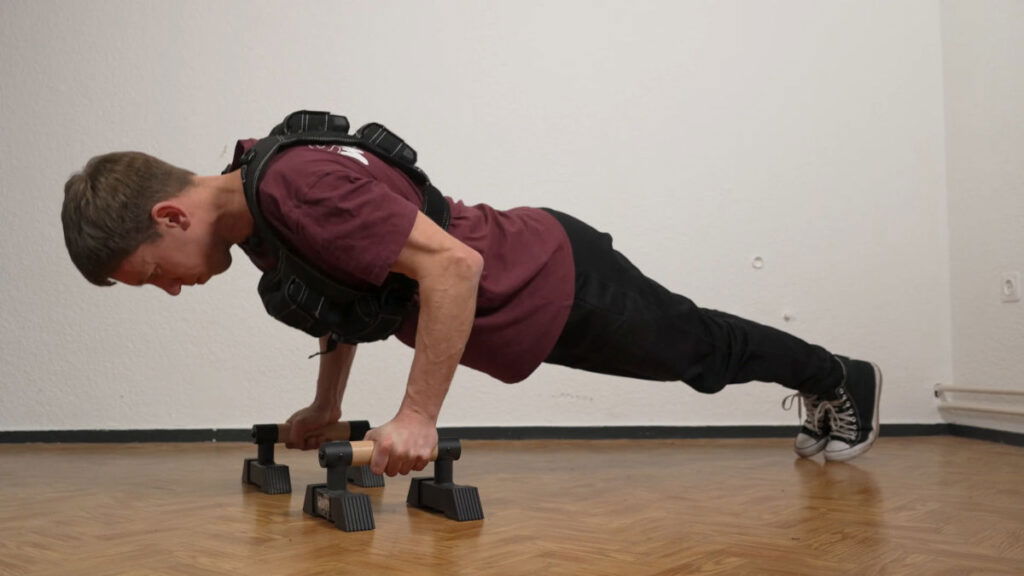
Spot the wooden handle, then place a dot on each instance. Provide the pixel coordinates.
(362, 453)
(335, 431)
(334, 453)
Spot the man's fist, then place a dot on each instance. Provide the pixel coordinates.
(405, 443)
(306, 426)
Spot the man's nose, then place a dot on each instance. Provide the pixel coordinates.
(172, 288)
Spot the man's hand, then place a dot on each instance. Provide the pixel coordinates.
(405, 443)
(307, 424)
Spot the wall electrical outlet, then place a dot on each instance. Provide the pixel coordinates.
(1010, 289)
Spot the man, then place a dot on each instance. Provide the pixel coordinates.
(501, 291)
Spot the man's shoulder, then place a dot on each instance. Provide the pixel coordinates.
(303, 167)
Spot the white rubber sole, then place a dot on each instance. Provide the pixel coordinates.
(810, 449)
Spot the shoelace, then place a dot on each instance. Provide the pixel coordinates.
(840, 412)
(841, 416)
(815, 415)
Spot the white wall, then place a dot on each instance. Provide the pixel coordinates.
(701, 134)
(984, 78)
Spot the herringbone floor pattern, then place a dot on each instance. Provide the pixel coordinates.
(929, 506)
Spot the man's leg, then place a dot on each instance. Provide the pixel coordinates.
(623, 323)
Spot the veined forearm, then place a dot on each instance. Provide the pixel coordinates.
(447, 309)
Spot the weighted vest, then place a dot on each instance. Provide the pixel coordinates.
(296, 292)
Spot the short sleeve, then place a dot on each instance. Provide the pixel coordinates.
(349, 226)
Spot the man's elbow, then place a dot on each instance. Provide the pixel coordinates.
(458, 264)
(466, 263)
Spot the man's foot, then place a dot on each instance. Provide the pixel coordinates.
(813, 434)
(853, 410)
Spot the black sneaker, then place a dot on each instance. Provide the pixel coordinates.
(813, 434)
(853, 410)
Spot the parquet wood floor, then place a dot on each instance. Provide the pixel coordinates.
(928, 506)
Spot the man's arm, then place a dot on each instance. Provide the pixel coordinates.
(333, 376)
(326, 407)
(448, 273)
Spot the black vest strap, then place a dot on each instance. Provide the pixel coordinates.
(374, 138)
(296, 292)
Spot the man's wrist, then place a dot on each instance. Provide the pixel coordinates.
(327, 402)
(416, 413)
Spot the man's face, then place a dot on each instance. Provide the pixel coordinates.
(186, 253)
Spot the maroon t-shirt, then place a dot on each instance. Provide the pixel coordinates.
(350, 213)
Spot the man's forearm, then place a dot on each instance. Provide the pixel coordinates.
(333, 376)
(447, 309)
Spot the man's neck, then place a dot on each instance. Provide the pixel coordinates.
(233, 222)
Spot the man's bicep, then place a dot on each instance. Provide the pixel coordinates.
(427, 249)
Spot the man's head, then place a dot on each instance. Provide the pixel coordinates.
(136, 219)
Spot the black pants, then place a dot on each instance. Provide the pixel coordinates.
(625, 324)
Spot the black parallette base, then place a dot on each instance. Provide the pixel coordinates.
(275, 478)
(270, 478)
(361, 476)
(348, 511)
(461, 503)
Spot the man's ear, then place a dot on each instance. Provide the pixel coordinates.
(170, 214)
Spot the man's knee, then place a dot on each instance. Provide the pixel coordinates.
(710, 360)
